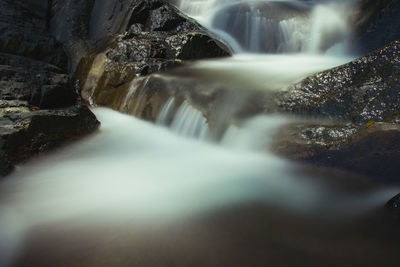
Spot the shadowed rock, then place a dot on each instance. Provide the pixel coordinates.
(40, 106)
(376, 24)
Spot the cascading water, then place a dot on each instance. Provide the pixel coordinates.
(133, 176)
(276, 26)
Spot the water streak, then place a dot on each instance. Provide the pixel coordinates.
(190, 122)
(167, 112)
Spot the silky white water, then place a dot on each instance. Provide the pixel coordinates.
(134, 171)
(283, 26)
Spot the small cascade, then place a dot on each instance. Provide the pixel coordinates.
(196, 7)
(188, 122)
(329, 27)
(139, 94)
(124, 107)
(264, 26)
(167, 112)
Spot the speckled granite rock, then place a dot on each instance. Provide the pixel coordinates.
(365, 89)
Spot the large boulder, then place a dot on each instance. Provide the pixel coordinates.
(365, 89)
(157, 37)
(372, 150)
(39, 110)
(362, 98)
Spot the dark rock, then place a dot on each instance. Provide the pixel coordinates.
(28, 87)
(157, 37)
(156, 15)
(363, 99)
(39, 83)
(365, 89)
(376, 24)
(23, 32)
(25, 133)
(192, 46)
(40, 106)
(370, 151)
(393, 205)
(78, 25)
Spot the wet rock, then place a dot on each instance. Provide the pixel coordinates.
(362, 99)
(157, 37)
(39, 110)
(156, 15)
(370, 151)
(192, 46)
(366, 89)
(25, 133)
(40, 106)
(300, 141)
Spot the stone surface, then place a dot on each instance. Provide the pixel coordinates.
(157, 37)
(371, 151)
(41, 84)
(40, 106)
(376, 24)
(393, 205)
(362, 98)
(24, 31)
(365, 89)
(39, 110)
(25, 133)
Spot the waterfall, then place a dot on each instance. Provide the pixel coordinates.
(276, 26)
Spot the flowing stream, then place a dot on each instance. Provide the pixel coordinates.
(136, 189)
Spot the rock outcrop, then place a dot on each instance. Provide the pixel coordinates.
(363, 99)
(157, 37)
(371, 151)
(40, 105)
(365, 89)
